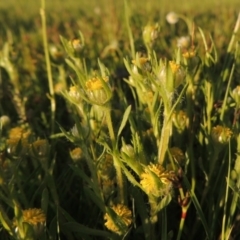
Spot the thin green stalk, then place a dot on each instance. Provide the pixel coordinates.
(227, 91)
(119, 175)
(226, 196)
(48, 65)
(165, 136)
(130, 35)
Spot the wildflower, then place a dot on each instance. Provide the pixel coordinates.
(180, 120)
(18, 141)
(177, 155)
(59, 87)
(156, 180)
(183, 42)
(40, 148)
(141, 62)
(236, 95)
(56, 53)
(34, 217)
(178, 73)
(77, 44)
(76, 154)
(4, 121)
(19, 133)
(172, 18)
(128, 150)
(221, 135)
(189, 54)
(150, 33)
(124, 213)
(96, 91)
(74, 94)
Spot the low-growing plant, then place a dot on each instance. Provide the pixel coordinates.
(153, 154)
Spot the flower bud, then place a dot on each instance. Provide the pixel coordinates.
(96, 92)
(150, 34)
(4, 121)
(236, 95)
(172, 18)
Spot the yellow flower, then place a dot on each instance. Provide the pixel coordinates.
(158, 183)
(174, 66)
(95, 83)
(142, 61)
(18, 133)
(189, 54)
(34, 216)
(74, 93)
(76, 154)
(124, 213)
(221, 134)
(96, 91)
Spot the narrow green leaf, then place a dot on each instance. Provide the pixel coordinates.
(124, 120)
(79, 228)
(45, 200)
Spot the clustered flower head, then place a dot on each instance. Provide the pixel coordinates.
(96, 91)
(150, 33)
(124, 213)
(76, 154)
(17, 141)
(74, 94)
(34, 217)
(156, 180)
(221, 135)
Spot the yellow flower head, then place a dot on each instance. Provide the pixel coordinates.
(124, 213)
(76, 154)
(150, 183)
(32, 216)
(221, 134)
(18, 133)
(95, 83)
(174, 66)
(189, 54)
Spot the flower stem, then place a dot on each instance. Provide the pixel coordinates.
(48, 65)
(119, 176)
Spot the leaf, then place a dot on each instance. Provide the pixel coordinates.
(233, 186)
(79, 228)
(45, 200)
(124, 120)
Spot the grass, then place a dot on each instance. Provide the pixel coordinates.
(117, 123)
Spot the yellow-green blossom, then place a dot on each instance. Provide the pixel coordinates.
(124, 213)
